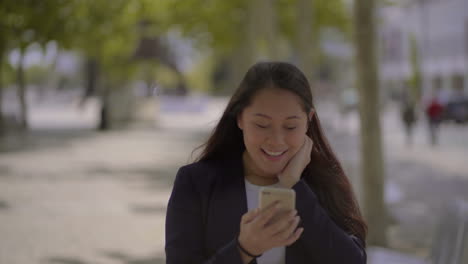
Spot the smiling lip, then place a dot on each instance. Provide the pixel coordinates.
(275, 157)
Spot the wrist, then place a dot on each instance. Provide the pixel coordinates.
(244, 257)
(288, 183)
(286, 180)
(247, 251)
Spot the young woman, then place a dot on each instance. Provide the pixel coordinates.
(268, 135)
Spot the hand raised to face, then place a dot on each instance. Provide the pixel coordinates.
(293, 170)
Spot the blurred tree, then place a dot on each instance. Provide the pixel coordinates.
(240, 31)
(22, 23)
(372, 165)
(118, 39)
(416, 78)
(237, 32)
(105, 33)
(303, 22)
(226, 28)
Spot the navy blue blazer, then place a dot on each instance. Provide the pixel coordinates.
(204, 212)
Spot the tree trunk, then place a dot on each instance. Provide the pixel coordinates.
(105, 120)
(269, 27)
(248, 47)
(2, 122)
(22, 93)
(243, 56)
(372, 165)
(104, 116)
(91, 76)
(304, 37)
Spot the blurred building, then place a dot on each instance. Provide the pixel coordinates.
(425, 36)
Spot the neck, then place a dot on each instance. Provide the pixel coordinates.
(253, 175)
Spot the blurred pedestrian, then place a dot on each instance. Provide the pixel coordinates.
(408, 116)
(434, 112)
(268, 135)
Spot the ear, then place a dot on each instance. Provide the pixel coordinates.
(239, 122)
(311, 114)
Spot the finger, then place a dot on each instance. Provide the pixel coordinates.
(266, 214)
(250, 215)
(294, 237)
(283, 222)
(285, 234)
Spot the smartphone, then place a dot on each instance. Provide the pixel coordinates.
(286, 198)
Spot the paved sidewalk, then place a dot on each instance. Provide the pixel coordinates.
(71, 195)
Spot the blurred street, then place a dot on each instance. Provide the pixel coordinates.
(69, 194)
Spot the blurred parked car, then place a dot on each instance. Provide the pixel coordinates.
(456, 110)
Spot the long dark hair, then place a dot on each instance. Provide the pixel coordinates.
(324, 174)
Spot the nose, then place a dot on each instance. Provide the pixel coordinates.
(276, 139)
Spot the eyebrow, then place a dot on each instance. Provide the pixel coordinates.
(269, 117)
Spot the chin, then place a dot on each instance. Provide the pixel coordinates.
(273, 172)
(269, 168)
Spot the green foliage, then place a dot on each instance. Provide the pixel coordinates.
(166, 78)
(219, 23)
(332, 13)
(8, 75)
(37, 74)
(210, 22)
(99, 28)
(325, 13)
(391, 2)
(108, 30)
(105, 31)
(24, 22)
(200, 75)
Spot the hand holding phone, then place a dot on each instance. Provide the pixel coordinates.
(286, 199)
(259, 232)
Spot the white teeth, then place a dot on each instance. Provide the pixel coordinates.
(273, 153)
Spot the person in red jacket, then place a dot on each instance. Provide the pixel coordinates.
(434, 112)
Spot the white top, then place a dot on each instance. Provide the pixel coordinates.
(274, 255)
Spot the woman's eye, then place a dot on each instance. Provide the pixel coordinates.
(290, 128)
(261, 126)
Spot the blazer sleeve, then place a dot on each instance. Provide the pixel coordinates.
(325, 242)
(185, 227)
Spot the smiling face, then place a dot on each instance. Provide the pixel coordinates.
(274, 126)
